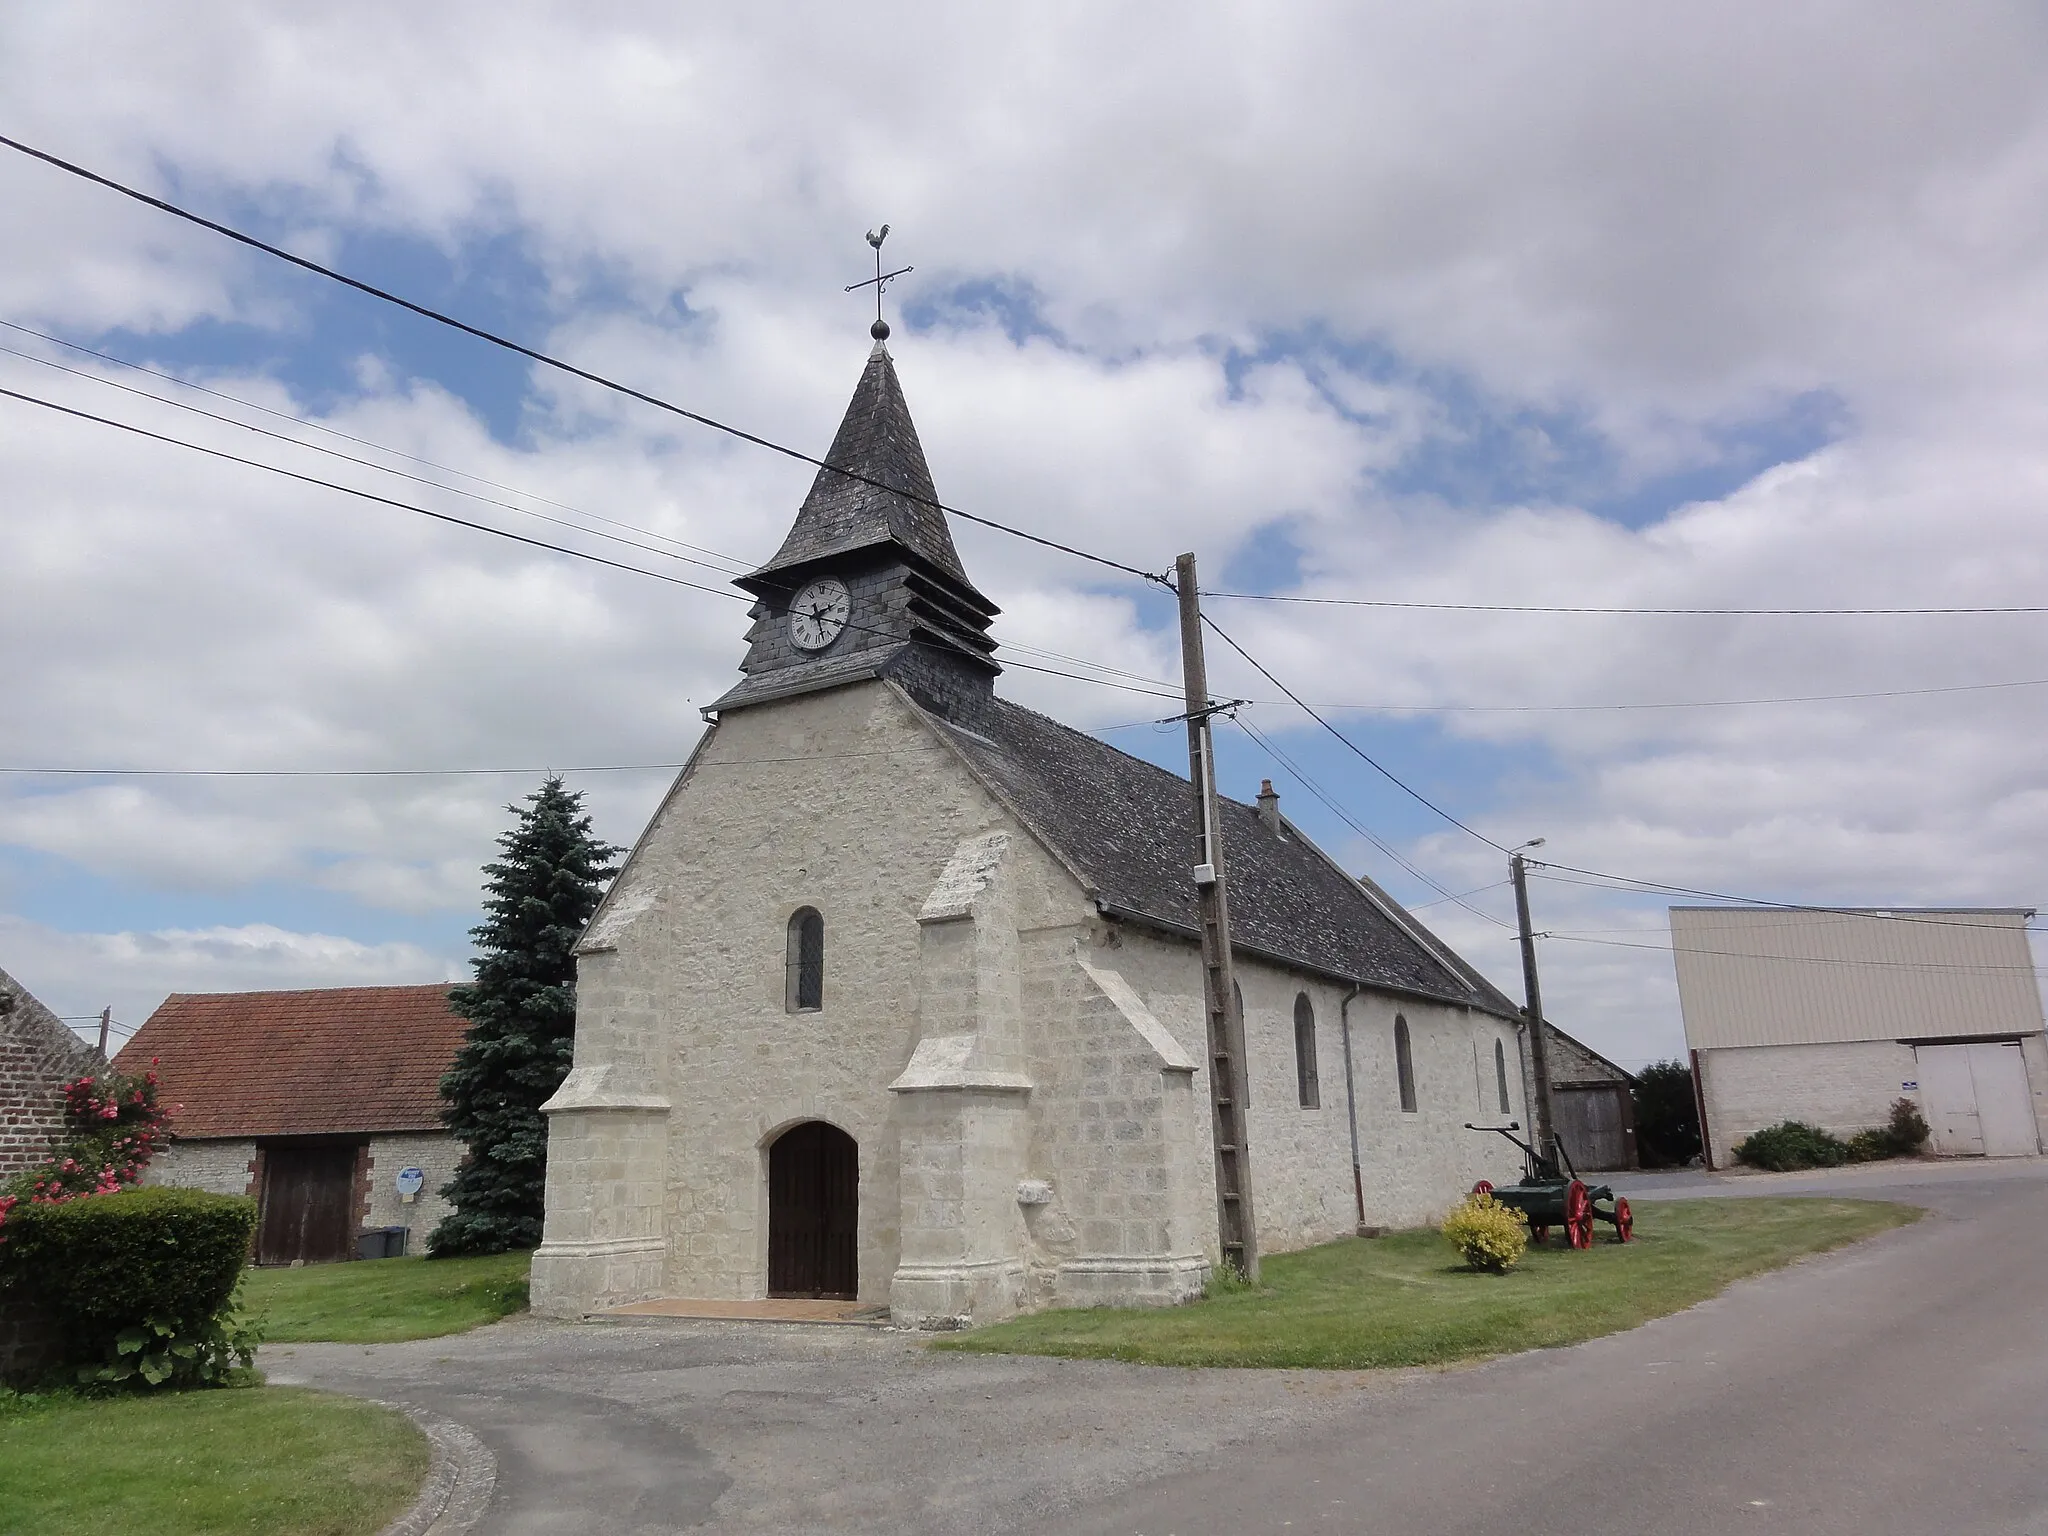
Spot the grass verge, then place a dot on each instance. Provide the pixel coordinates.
(1406, 1299)
(379, 1301)
(275, 1459)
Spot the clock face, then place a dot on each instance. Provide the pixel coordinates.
(819, 613)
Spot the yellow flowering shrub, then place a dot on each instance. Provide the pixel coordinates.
(1489, 1235)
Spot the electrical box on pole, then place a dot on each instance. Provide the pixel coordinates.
(1237, 1230)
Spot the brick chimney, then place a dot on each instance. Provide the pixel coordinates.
(1269, 805)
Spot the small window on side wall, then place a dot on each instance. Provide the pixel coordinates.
(1404, 1064)
(1500, 1074)
(1305, 1052)
(804, 980)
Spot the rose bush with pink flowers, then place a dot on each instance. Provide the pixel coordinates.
(113, 1126)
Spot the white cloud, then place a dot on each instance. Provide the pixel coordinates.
(77, 974)
(1661, 227)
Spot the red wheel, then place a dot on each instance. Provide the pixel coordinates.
(1624, 1220)
(1483, 1187)
(1538, 1234)
(1578, 1215)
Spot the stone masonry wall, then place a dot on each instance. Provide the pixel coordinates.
(38, 1056)
(1571, 1062)
(1419, 1163)
(434, 1153)
(1413, 1166)
(841, 801)
(1118, 1136)
(226, 1167)
(688, 1064)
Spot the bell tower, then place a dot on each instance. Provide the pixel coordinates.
(867, 583)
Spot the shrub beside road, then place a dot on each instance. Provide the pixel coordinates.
(1404, 1300)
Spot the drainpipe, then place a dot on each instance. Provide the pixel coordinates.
(1351, 1101)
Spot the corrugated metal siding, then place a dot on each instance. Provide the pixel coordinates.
(1758, 976)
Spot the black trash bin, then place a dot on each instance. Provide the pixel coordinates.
(381, 1243)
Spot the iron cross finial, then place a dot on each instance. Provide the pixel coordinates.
(880, 329)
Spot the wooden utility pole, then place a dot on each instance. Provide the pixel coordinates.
(106, 1024)
(1543, 1131)
(1235, 1226)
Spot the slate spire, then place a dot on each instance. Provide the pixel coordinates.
(872, 529)
(888, 499)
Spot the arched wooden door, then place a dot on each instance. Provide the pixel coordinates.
(814, 1212)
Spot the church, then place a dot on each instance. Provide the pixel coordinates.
(899, 996)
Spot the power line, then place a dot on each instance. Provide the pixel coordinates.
(1600, 880)
(1361, 753)
(420, 773)
(1443, 892)
(1736, 954)
(557, 363)
(349, 490)
(1804, 698)
(1725, 613)
(739, 565)
(1162, 692)
(349, 437)
(382, 469)
(1476, 890)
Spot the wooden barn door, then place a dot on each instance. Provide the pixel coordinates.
(814, 1212)
(1593, 1124)
(305, 1205)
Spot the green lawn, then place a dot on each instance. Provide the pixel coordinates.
(1406, 1299)
(377, 1301)
(279, 1460)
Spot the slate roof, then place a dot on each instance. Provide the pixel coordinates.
(1125, 826)
(784, 682)
(334, 1061)
(876, 439)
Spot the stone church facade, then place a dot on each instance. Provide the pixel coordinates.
(899, 995)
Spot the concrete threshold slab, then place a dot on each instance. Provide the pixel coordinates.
(856, 1314)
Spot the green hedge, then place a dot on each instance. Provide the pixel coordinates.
(1795, 1145)
(141, 1283)
(1791, 1145)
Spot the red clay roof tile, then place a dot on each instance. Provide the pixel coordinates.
(337, 1060)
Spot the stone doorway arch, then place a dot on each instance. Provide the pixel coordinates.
(814, 1212)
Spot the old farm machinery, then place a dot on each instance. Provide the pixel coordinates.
(1552, 1194)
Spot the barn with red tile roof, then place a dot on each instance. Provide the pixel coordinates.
(325, 1105)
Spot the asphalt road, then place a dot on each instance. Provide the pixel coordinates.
(1896, 1386)
(1893, 1387)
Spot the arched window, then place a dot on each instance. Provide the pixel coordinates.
(1404, 1064)
(1305, 1052)
(1500, 1074)
(1244, 1034)
(804, 980)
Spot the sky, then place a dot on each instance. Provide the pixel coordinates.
(1569, 306)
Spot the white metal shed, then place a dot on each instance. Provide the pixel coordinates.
(1829, 1014)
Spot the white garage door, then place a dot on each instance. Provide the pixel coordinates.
(1977, 1098)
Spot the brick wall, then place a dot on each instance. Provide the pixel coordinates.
(38, 1056)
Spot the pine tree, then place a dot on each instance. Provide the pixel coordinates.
(522, 1013)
